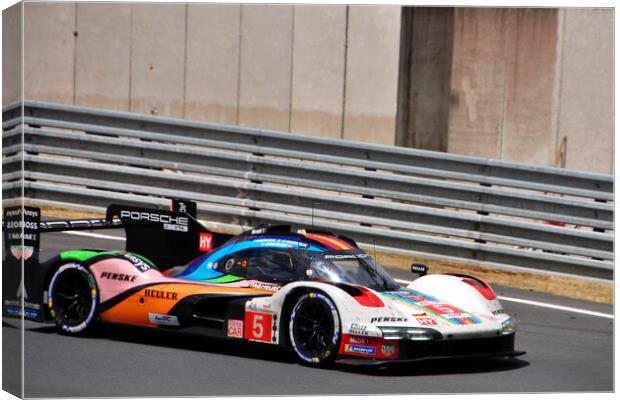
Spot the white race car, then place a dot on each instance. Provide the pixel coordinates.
(316, 293)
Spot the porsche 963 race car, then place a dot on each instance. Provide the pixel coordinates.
(314, 292)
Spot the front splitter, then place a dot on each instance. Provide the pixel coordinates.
(370, 362)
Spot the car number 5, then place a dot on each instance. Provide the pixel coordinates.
(257, 326)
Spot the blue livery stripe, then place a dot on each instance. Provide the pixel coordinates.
(201, 268)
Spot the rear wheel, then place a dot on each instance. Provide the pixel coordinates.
(314, 329)
(73, 299)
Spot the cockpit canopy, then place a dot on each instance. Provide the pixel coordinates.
(277, 254)
(354, 267)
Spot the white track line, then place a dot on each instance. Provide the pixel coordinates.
(511, 299)
(556, 307)
(545, 305)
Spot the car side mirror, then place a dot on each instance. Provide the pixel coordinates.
(419, 269)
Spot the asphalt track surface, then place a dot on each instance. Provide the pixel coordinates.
(566, 351)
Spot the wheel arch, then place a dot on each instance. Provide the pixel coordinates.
(297, 290)
(50, 267)
(460, 290)
(285, 314)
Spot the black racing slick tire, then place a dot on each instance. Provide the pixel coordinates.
(73, 299)
(314, 329)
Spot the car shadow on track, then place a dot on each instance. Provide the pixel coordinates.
(266, 352)
(443, 367)
(182, 341)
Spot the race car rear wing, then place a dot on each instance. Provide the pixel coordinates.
(168, 238)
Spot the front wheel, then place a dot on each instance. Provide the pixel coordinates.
(73, 299)
(314, 329)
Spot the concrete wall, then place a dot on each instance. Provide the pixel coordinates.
(529, 87)
(12, 54)
(157, 83)
(103, 55)
(49, 51)
(306, 69)
(514, 84)
(478, 72)
(212, 85)
(586, 94)
(425, 87)
(318, 70)
(523, 79)
(372, 74)
(266, 66)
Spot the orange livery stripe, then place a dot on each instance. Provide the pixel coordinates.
(330, 241)
(160, 298)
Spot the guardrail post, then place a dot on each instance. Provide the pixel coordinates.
(478, 226)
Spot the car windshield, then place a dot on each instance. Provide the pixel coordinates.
(358, 268)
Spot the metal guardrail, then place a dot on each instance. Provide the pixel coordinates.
(495, 212)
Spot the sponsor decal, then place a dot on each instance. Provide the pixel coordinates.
(354, 348)
(498, 312)
(183, 206)
(118, 277)
(369, 347)
(358, 340)
(15, 229)
(160, 294)
(205, 241)
(465, 320)
(257, 326)
(388, 350)
(21, 224)
(340, 256)
(264, 286)
(358, 329)
(18, 236)
(344, 256)
(137, 262)
(453, 314)
(24, 252)
(388, 319)
(21, 245)
(163, 319)
(28, 312)
(12, 212)
(170, 223)
(418, 298)
(279, 243)
(443, 309)
(235, 328)
(17, 303)
(427, 321)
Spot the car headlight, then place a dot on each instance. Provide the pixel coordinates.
(408, 333)
(509, 326)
